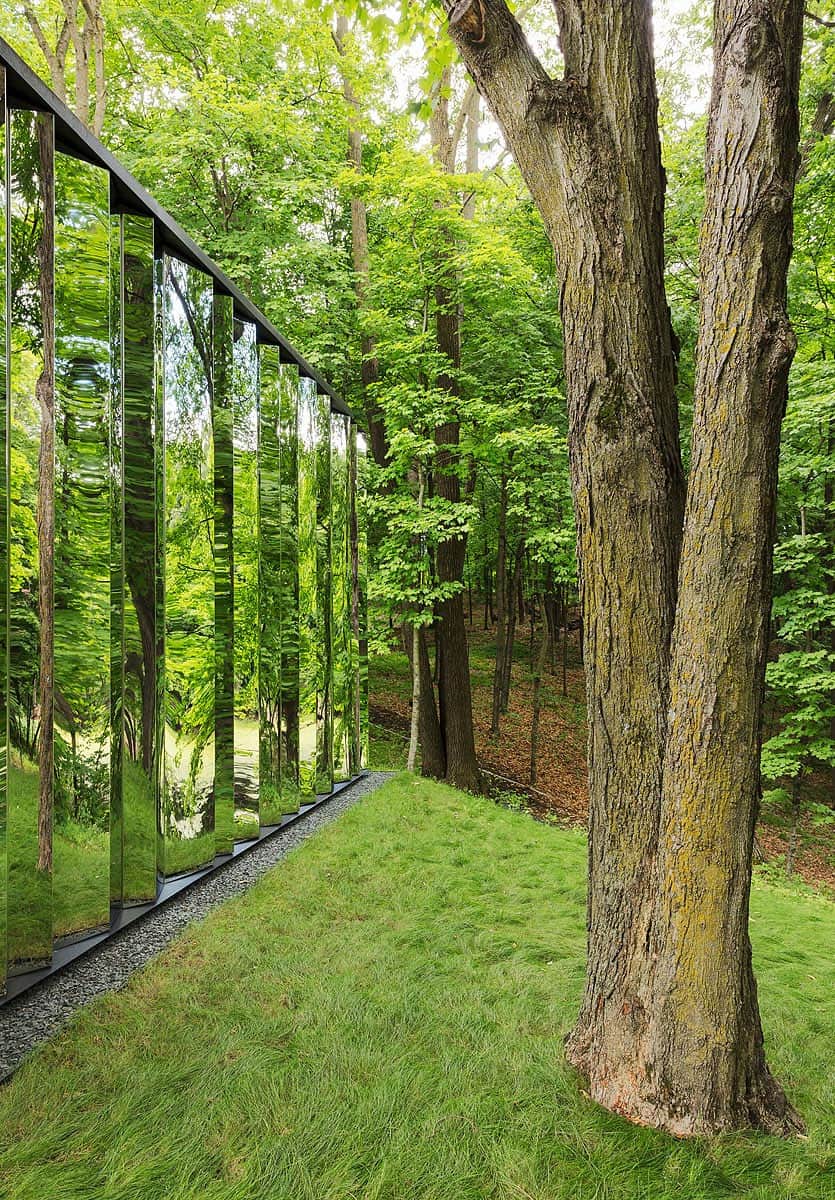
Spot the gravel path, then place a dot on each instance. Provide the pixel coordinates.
(41, 1012)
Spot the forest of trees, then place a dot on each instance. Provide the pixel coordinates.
(556, 276)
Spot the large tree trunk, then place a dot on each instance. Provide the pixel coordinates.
(669, 1032)
(703, 1036)
(588, 148)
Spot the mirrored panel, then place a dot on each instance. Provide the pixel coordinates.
(269, 668)
(324, 759)
(4, 544)
(309, 726)
(222, 392)
(31, 393)
(136, 631)
(188, 573)
(82, 727)
(341, 668)
(289, 586)
(359, 615)
(245, 592)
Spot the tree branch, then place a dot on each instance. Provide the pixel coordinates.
(810, 16)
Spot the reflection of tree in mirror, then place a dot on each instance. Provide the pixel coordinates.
(189, 568)
(31, 524)
(82, 537)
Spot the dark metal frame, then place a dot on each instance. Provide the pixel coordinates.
(25, 90)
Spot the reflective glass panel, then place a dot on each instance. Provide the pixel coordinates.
(324, 641)
(82, 727)
(246, 579)
(4, 543)
(289, 587)
(361, 601)
(188, 575)
(136, 629)
(269, 670)
(341, 673)
(31, 388)
(309, 726)
(222, 390)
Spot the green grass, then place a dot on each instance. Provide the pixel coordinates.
(77, 898)
(381, 1018)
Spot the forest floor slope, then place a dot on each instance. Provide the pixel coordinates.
(382, 1016)
(561, 793)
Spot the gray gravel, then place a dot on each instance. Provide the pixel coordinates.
(38, 1014)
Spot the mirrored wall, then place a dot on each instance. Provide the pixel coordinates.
(183, 546)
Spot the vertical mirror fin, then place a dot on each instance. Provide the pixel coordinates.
(360, 491)
(340, 608)
(324, 631)
(187, 558)
(135, 584)
(222, 342)
(31, 519)
(269, 574)
(308, 592)
(82, 524)
(289, 587)
(4, 537)
(246, 592)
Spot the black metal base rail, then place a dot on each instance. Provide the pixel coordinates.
(123, 916)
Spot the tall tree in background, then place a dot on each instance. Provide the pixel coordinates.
(669, 1031)
(455, 708)
(78, 27)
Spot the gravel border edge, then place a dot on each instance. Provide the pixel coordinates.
(39, 1013)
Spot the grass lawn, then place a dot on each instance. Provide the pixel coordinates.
(380, 1019)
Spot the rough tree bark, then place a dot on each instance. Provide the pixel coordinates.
(669, 1031)
(455, 708)
(705, 1040)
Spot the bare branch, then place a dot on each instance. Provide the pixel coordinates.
(810, 16)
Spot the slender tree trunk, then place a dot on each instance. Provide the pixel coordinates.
(538, 672)
(501, 609)
(510, 638)
(433, 754)
(565, 639)
(454, 687)
(791, 852)
(415, 722)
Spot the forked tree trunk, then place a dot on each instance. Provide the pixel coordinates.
(669, 1032)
